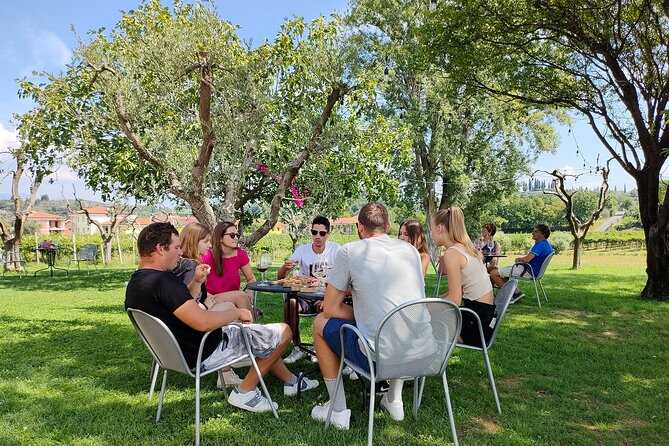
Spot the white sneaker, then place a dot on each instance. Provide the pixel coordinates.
(353, 376)
(314, 359)
(252, 401)
(394, 409)
(340, 420)
(346, 370)
(230, 378)
(294, 356)
(305, 383)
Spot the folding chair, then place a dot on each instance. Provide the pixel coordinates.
(86, 253)
(15, 259)
(413, 341)
(501, 304)
(166, 353)
(534, 277)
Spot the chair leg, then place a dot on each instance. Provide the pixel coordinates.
(262, 383)
(154, 377)
(420, 393)
(543, 290)
(536, 292)
(224, 388)
(436, 290)
(372, 399)
(491, 379)
(451, 418)
(416, 397)
(162, 396)
(197, 409)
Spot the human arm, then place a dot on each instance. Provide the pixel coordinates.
(199, 319)
(454, 262)
(424, 262)
(525, 259)
(199, 275)
(334, 306)
(287, 267)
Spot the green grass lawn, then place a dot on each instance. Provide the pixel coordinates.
(588, 368)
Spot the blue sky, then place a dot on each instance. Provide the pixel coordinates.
(37, 36)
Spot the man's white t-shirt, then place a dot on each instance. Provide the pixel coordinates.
(305, 255)
(382, 273)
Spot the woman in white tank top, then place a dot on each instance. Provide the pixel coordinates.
(468, 281)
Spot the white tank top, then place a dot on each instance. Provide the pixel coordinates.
(475, 279)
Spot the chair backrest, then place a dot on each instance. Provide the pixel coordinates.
(416, 339)
(502, 301)
(87, 252)
(544, 266)
(159, 340)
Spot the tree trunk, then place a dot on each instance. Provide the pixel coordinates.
(654, 220)
(12, 255)
(578, 248)
(202, 210)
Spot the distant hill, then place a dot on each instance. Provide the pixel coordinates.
(59, 207)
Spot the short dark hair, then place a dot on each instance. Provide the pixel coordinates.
(544, 229)
(374, 217)
(320, 220)
(153, 235)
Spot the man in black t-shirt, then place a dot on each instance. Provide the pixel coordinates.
(154, 289)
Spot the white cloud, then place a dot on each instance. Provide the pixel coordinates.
(46, 46)
(8, 138)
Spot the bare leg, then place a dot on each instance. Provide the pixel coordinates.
(328, 361)
(292, 319)
(272, 363)
(239, 298)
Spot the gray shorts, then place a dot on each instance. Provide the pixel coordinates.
(264, 339)
(518, 271)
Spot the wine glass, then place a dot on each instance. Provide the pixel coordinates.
(264, 262)
(491, 247)
(320, 270)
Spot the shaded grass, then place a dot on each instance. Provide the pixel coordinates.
(588, 368)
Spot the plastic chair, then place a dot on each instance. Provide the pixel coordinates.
(535, 277)
(502, 301)
(413, 341)
(166, 353)
(87, 253)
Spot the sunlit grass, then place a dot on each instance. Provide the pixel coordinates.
(588, 368)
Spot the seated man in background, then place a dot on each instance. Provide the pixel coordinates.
(381, 273)
(535, 258)
(320, 249)
(155, 290)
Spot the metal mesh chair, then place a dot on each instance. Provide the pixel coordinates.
(86, 253)
(166, 353)
(534, 277)
(501, 304)
(12, 261)
(413, 341)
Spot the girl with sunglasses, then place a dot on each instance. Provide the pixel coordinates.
(227, 260)
(468, 282)
(411, 231)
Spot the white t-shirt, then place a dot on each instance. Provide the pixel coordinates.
(305, 255)
(382, 273)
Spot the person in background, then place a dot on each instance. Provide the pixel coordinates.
(196, 241)
(468, 283)
(155, 290)
(488, 245)
(411, 231)
(535, 258)
(227, 260)
(305, 256)
(381, 274)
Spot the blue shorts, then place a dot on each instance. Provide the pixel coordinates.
(353, 352)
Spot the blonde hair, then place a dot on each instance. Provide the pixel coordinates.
(190, 238)
(453, 220)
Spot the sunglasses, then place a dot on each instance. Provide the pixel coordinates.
(322, 233)
(232, 235)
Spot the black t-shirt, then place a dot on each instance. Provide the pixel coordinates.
(160, 293)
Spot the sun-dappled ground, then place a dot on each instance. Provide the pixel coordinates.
(587, 368)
